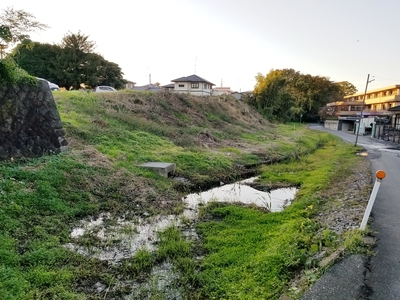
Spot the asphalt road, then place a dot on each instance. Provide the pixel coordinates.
(357, 276)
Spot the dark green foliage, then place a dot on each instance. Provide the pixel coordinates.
(286, 94)
(11, 73)
(39, 61)
(69, 65)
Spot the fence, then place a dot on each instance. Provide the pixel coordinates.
(387, 133)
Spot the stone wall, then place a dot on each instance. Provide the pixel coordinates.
(30, 124)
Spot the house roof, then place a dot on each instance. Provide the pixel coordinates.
(222, 88)
(192, 78)
(169, 86)
(147, 87)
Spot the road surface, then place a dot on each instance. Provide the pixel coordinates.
(378, 277)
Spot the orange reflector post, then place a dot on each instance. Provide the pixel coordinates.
(380, 174)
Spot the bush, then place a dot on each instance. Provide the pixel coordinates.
(11, 73)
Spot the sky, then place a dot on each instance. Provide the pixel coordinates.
(228, 42)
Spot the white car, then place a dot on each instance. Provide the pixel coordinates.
(52, 86)
(104, 88)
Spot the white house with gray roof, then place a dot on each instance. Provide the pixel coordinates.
(194, 85)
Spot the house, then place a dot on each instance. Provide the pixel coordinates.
(378, 103)
(194, 85)
(129, 84)
(169, 87)
(221, 91)
(237, 95)
(148, 87)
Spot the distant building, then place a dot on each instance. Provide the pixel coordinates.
(148, 87)
(169, 87)
(129, 84)
(221, 91)
(377, 103)
(237, 95)
(194, 85)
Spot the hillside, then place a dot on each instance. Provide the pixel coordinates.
(79, 225)
(221, 134)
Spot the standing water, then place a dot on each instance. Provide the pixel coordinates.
(125, 238)
(241, 192)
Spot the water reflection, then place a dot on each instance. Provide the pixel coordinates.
(274, 201)
(125, 238)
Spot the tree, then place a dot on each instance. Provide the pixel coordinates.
(272, 96)
(78, 42)
(347, 88)
(69, 65)
(15, 26)
(289, 95)
(38, 61)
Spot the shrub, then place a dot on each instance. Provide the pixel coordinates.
(11, 73)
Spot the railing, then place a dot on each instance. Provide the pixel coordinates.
(387, 133)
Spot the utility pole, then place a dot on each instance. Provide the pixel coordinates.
(362, 109)
(2, 48)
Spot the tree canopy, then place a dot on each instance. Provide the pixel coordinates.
(70, 64)
(286, 94)
(15, 26)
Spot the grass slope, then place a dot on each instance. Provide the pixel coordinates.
(249, 253)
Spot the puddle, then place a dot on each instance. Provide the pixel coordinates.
(163, 284)
(122, 240)
(114, 240)
(274, 201)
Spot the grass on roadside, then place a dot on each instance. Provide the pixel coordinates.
(253, 255)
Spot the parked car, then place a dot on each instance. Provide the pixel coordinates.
(104, 88)
(52, 86)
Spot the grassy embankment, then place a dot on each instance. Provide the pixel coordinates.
(248, 253)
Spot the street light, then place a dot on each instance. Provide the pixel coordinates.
(362, 109)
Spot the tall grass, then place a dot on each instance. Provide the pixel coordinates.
(251, 254)
(247, 253)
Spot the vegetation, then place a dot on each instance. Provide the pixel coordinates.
(11, 73)
(14, 27)
(286, 94)
(72, 64)
(245, 252)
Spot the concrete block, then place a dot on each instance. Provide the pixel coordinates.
(161, 168)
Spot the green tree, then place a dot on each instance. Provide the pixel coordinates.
(82, 65)
(38, 61)
(273, 97)
(78, 42)
(70, 64)
(289, 95)
(347, 88)
(15, 26)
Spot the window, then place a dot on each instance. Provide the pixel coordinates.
(195, 85)
(181, 85)
(383, 94)
(205, 86)
(355, 108)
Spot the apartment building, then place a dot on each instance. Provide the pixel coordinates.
(380, 103)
